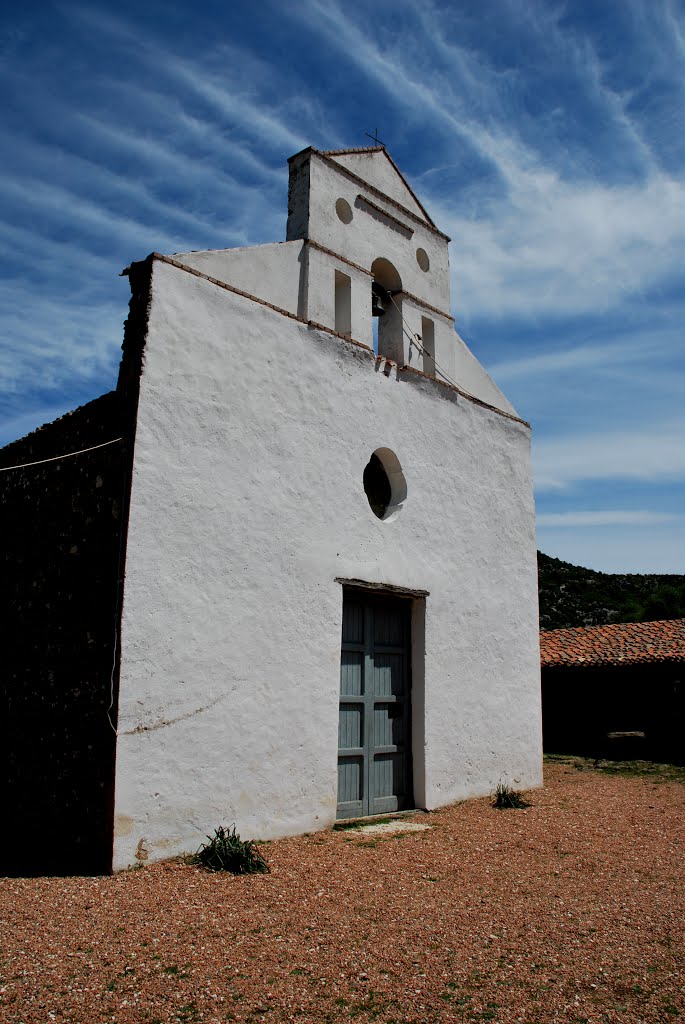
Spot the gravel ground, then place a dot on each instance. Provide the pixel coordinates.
(572, 910)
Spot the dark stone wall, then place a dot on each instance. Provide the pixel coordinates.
(62, 560)
(62, 571)
(581, 707)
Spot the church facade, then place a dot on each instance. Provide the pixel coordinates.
(328, 600)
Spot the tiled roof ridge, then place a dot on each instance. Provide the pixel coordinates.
(617, 643)
(357, 149)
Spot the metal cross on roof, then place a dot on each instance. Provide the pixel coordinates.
(375, 137)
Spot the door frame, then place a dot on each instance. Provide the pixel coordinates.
(369, 594)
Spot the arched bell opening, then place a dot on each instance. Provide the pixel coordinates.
(386, 309)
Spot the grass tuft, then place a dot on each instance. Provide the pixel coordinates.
(226, 851)
(508, 799)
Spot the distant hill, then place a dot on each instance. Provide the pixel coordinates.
(573, 596)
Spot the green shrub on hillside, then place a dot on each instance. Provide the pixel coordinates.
(573, 596)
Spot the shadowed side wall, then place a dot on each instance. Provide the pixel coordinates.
(61, 542)
(621, 712)
(62, 559)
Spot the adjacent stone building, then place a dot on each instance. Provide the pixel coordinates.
(615, 691)
(291, 574)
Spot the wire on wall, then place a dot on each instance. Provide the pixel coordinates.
(55, 458)
(414, 340)
(70, 455)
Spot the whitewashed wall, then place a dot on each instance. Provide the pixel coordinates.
(247, 502)
(272, 272)
(365, 238)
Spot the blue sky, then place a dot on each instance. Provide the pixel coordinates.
(547, 139)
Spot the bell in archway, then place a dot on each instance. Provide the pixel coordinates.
(380, 299)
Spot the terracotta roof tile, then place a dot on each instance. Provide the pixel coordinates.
(621, 643)
(358, 149)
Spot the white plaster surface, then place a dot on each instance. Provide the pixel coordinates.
(247, 502)
(271, 272)
(379, 172)
(365, 238)
(302, 279)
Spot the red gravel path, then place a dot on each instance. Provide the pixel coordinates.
(570, 911)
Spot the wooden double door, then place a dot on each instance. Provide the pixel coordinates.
(374, 731)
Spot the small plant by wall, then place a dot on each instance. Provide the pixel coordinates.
(226, 851)
(508, 799)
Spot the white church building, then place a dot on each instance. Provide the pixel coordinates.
(328, 607)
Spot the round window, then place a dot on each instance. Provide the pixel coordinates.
(343, 210)
(422, 260)
(384, 484)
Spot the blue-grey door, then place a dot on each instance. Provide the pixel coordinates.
(374, 751)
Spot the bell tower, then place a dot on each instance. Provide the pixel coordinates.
(377, 266)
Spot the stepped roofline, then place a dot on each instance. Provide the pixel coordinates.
(331, 154)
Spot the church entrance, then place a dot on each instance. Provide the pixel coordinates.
(374, 733)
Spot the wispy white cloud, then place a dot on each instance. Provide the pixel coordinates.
(60, 204)
(238, 210)
(624, 548)
(198, 136)
(653, 453)
(238, 108)
(228, 79)
(551, 240)
(608, 517)
(61, 344)
(552, 248)
(44, 255)
(676, 30)
(551, 149)
(88, 180)
(639, 347)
